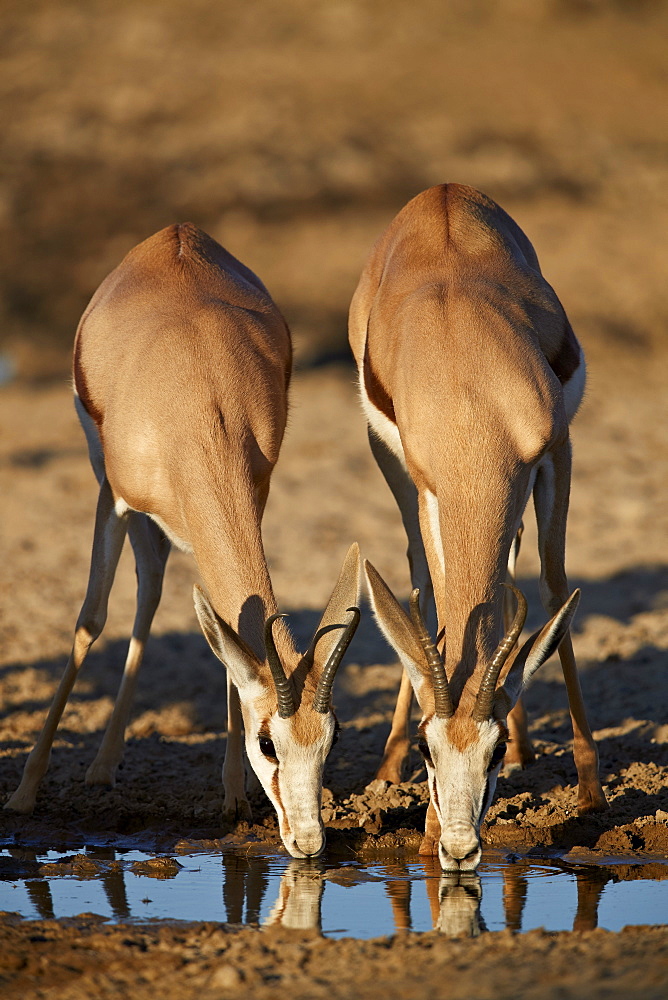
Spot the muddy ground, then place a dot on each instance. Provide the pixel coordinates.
(301, 131)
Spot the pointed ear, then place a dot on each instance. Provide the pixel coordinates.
(398, 629)
(346, 594)
(536, 650)
(230, 649)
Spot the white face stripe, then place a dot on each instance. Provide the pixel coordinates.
(464, 789)
(294, 786)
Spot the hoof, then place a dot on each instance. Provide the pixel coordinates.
(21, 802)
(101, 774)
(517, 759)
(389, 772)
(591, 800)
(392, 764)
(428, 847)
(237, 812)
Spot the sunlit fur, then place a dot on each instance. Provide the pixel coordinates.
(460, 748)
(293, 780)
(181, 371)
(469, 376)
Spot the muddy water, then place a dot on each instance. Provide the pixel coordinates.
(361, 900)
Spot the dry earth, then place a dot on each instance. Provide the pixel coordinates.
(301, 130)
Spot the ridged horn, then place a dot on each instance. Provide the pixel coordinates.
(286, 704)
(442, 699)
(485, 701)
(323, 691)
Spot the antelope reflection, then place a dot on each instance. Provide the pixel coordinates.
(112, 879)
(454, 898)
(299, 903)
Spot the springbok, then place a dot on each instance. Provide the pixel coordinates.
(181, 370)
(469, 375)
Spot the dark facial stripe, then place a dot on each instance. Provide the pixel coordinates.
(377, 392)
(275, 789)
(567, 358)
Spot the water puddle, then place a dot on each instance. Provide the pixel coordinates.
(251, 886)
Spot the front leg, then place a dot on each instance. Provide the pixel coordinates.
(398, 742)
(235, 804)
(432, 832)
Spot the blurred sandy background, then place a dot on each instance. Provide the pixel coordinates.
(293, 131)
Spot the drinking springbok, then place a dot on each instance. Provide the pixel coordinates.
(181, 371)
(470, 374)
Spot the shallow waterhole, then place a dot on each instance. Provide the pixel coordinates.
(363, 899)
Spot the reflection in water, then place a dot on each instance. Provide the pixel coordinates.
(113, 881)
(454, 899)
(265, 890)
(39, 890)
(459, 905)
(591, 882)
(515, 887)
(299, 903)
(247, 881)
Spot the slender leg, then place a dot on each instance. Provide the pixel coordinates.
(551, 493)
(520, 752)
(235, 803)
(151, 548)
(398, 742)
(432, 831)
(110, 530)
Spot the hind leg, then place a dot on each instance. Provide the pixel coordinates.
(151, 549)
(551, 493)
(110, 530)
(403, 489)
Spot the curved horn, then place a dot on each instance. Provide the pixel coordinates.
(442, 699)
(286, 703)
(483, 707)
(323, 691)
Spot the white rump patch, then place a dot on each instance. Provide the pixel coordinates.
(574, 390)
(382, 426)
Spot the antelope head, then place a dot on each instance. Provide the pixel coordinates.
(463, 744)
(289, 723)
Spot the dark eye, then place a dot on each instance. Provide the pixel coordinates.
(497, 756)
(267, 747)
(424, 750)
